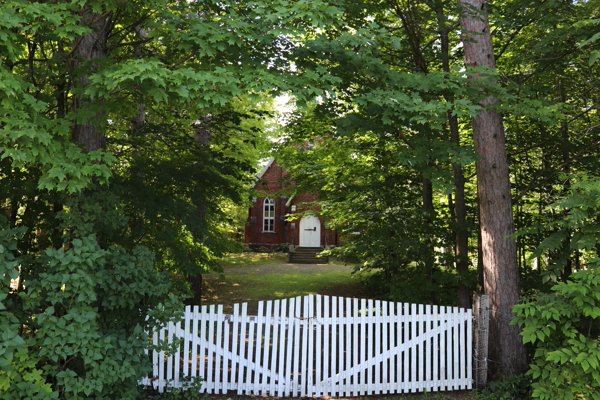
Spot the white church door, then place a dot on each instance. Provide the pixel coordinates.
(310, 232)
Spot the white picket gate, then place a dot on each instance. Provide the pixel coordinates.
(319, 346)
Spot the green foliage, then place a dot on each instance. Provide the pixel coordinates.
(414, 283)
(516, 387)
(83, 322)
(370, 191)
(89, 232)
(18, 368)
(578, 232)
(564, 325)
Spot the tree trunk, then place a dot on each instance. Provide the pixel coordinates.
(501, 274)
(429, 258)
(203, 133)
(88, 48)
(568, 269)
(461, 233)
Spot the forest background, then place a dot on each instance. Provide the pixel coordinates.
(131, 130)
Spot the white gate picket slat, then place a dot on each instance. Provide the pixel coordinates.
(337, 328)
(161, 363)
(377, 354)
(345, 337)
(170, 358)
(454, 349)
(395, 330)
(361, 344)
(290, 368)
(286, 330)
(426, 363)
(154, 356)
(420, 346)
(251, 345)
(406, 363)
(243, 360)
(329, 356)
(355, 312)
(368, 314)
(334, 346)
(311, 343)
(305, 335)
(258, 347)
(264, 384)
(177, 358)
(169, 338)
(436, 353)
(186, 343)
(469, 349)
(451, 349)
(456, 341)
(448, 349)
(443, 342)
(413, 335)
(386, 328)
(219, 349)
(235, 357)
(204, 321)
(461, 341)
(276, 323)
(210, 387)
(457, 348)
(297, 361)
(318, 347)
(195, 340)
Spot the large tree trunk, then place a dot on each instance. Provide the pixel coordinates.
(89, 48)
(461, 232)
(501, 274)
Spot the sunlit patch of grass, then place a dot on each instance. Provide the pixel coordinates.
(250, 259)
(272, 282)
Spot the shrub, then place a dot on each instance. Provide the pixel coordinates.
(77, 327)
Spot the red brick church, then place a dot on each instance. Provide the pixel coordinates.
(268, 226)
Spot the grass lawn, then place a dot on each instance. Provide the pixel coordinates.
(252, 259)
(250, 277)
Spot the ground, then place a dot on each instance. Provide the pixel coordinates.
(250, 282)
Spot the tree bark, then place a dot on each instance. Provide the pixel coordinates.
(501, 274)
(87, 49)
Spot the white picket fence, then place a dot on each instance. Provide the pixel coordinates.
(319, 346)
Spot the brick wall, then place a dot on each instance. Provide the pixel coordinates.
(285, 231)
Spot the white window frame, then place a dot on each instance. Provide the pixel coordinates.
(268, 221)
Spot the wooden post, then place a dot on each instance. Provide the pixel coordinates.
(481, 322)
